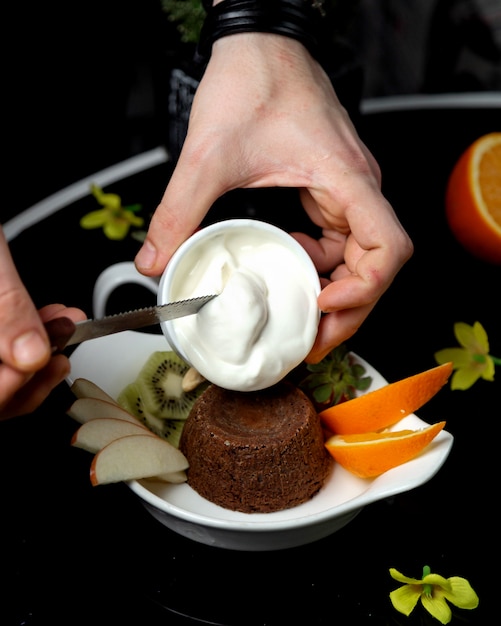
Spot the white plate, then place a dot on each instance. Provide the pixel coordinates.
(113, 361)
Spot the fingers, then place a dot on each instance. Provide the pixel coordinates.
(361, 262)
(27, 372)
(335, 328)
(22, 393)
(351, 295)
(52, 311)
(11, 381)
(355, 286)
(324, 259)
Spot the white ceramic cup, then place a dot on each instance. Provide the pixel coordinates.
(284, 267)
(114, 276)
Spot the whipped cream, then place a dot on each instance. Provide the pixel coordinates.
(265, 319)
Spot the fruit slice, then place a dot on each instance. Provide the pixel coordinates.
(160, 385)
(473, 198)
(168, 429)
(85, 409)
(387, 405)
(134, 457)
(99, 432)
(172, 477)
(370, 454)
(85, 388)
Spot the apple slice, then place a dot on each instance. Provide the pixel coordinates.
(85, 388)
(171, 477)
(99, 432)
(134, 457)
(86, 409)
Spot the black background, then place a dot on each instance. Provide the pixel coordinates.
(73, 554)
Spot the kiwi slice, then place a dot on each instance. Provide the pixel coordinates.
(169, 429)
(160, 385)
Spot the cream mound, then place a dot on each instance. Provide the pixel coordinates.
(255, 452)
(265, 319)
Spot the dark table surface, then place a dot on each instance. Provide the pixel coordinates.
(72, 554)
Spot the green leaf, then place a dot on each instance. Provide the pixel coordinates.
(337, 377)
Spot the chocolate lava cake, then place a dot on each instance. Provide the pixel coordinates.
(255, 452)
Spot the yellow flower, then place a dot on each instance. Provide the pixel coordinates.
(113, 218)
(435, 592)
(472, 361)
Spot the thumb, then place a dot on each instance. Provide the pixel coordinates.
(192, 190)
(24, 344)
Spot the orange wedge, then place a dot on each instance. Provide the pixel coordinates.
(473, 198)
(370, 454)
(387, 405)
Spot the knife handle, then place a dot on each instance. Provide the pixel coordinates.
(60, 329)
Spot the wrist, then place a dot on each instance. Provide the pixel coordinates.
(296, 19)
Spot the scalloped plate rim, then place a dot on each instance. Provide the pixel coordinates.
(104, 361)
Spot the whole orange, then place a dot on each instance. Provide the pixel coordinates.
(473, 198)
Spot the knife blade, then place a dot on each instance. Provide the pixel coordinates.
(63, 332)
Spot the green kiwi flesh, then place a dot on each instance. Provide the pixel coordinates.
(160, 386)
(169, 429)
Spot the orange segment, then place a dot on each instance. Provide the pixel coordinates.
(473, 198)
(387, 405)
(370, 454)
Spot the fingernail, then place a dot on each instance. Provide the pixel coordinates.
(145, 258)
(29, 349)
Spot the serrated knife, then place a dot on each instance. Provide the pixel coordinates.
(63, 332)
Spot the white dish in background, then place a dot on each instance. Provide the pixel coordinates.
(113, 361)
